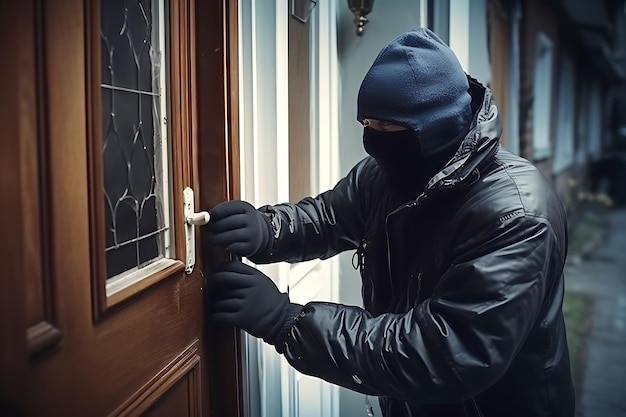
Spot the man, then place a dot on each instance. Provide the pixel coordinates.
(460, 245)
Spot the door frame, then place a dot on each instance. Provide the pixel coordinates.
(264, 162)
(216, 69)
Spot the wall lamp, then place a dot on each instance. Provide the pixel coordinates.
(360, 9)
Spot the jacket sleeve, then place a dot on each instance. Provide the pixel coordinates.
(322, 226)
(453, 345)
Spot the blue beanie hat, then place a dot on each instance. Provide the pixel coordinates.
(417, 82)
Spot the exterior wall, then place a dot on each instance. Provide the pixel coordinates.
(571, 180)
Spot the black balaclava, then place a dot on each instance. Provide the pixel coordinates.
(399, 155)
(416, 82)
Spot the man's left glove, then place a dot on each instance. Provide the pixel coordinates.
(246, 298)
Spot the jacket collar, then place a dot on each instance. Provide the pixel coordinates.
(479, 143)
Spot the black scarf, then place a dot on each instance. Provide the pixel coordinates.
(399, 156)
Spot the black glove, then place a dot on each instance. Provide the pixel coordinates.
(246, 298)
(240, 228)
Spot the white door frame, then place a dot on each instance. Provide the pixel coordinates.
(264, 158)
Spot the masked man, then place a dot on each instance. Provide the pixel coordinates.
(461, 247)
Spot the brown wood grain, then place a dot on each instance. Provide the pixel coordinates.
(499, 26)
(41, 333)
(299, 109)
(95, 164)
(16, 23)
(218, 150)
(184, 365)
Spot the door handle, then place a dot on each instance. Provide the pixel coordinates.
(199, 219)
(191, 219)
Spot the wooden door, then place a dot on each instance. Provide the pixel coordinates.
(102, 314)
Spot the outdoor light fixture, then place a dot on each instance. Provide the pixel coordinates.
(360, 8)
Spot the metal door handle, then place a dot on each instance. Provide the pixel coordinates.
(191, 219)
(199, 219)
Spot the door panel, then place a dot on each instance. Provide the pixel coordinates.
(175, 390)
(145, 350)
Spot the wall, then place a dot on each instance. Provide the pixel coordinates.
(388, 19)
(572, 180)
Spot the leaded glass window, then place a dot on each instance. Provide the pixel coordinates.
(134, 135)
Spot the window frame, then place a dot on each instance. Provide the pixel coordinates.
(542, 93)
(595, 111)
(180, 64)
(564, 156)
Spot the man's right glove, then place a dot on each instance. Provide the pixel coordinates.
(245, 297)
(240, 228)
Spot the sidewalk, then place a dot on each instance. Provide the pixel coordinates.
(601, 275)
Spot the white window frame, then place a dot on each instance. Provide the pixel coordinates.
(468, 37)
(542, 97)
(564, 154)
(435, 14)
(594, 126)
(274, 386)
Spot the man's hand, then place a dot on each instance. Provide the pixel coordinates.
(240, 228)
(246, 298)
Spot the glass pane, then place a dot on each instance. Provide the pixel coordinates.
(134, 148)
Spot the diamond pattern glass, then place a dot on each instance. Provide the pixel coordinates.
(131, 135)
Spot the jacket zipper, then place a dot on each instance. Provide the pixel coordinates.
(276, 225)
(477, 408)
(411, 204)
(363, 256)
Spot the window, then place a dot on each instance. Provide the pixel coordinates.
(467, 27)
(134, 135)
(438, 17)
(594, 125)
(542, 94)
(140, 144)
(564, 155)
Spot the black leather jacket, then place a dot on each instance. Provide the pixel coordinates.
(462, 287)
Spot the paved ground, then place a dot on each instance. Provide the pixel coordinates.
(602, 275)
